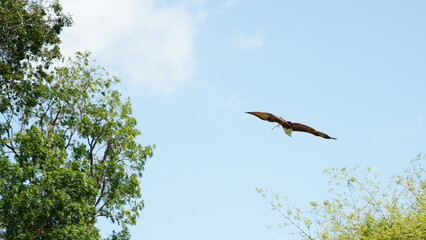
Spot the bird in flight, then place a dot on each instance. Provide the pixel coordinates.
(288, 126)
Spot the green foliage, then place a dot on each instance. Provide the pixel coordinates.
(69, 158)
(362, 206)
(29, 43)
(68, 153)
(29, 33)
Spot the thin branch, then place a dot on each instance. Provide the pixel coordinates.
(294, 223)
(109, 146)
(102, 193)
(375, 202)
(91, 145)
(70, 138)
(12, 148)
(55, 121)
(103, 205)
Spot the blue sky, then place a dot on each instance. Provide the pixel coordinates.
(353, 69)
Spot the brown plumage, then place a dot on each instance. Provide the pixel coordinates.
(289, 126)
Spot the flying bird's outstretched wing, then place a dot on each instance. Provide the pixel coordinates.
(268, 117)
(289, 126)
(303, 128)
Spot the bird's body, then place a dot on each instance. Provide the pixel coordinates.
(288, 126)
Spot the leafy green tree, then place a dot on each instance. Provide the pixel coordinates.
(29, 43)
(362, 207)
(29, 35)
(69, 158)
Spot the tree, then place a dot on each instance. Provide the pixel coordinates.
(29, 43)
(29, 35)
(70, 157)
(363, 207)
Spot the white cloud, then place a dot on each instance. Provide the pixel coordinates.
(229, 3)
(148, 44)
(252, 41)
(97, 23)
(200, 1)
